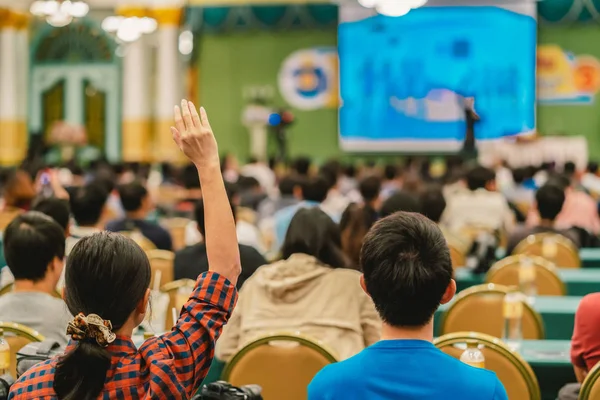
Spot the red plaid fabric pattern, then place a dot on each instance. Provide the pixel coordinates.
(171, 366)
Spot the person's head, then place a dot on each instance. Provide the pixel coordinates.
(331, 171)
(369, 188)
(391, 172)
(355, 223)
(570, 168)
(481, 178)
(519, 175)
(289, 186)
(315, 189)
(550, 199)
(349, 170)
(134, 198)
(88, 203)
(249, 184)
(400, 201)
(189, 177)
(18, 189)
(560, 180)
(407, 269)
(57, 209)
(312, 232)
(34, 248)
(301, 166)
(433, 204)
(108, 275)
(199, 216)
(592, 167)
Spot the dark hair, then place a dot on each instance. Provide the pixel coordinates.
(232, 190)
(132, 194)
(31, 241)
(87, 203)
(287, 185)
(107, 274)
(559, 180)
(550, 199)
(189, 177)
(301, 165)
(433, 204)
(18, 189)
(315, 189)
(355, 223)
(592, 167)
(199, 215)
(312, 232)
(369, 188)
(478, 177)
(246, 183)
(349, 170)
(407, 268)
(570, 168)
(390, 172)
(57, 209)
(400, 201)
(519, 175)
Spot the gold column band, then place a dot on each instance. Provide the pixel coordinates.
(13, 136)
(13, 19)
(136, 140)
(165, 148)
(168, 16)
(133, 11)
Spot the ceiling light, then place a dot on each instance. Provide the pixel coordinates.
(392, 8)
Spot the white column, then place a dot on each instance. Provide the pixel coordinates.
(136, 102)
(168, 82)
(22, 43)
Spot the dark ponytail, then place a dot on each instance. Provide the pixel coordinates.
(106, 274)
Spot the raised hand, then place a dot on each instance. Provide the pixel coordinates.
(194, 136)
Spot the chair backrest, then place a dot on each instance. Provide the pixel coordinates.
(480, 309)
(282, 364)
(10, 287)
(551, 246)
(176, 227)
(514, 372)
(161, 260)
(547, 281)
(7, 215)
(179, 292)
(142, 241)
(590, 389)
(18, 336)
(459, 259)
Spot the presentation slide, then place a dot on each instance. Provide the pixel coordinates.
(404, 81)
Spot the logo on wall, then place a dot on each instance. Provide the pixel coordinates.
(308, 79)
(564, 78)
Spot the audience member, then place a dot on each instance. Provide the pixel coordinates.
(34, 245)
(549, 200)
(193, 192)
(335, 203)
(392, 181)
(479, 207)
(289, 195)
(137, 205)
(18, 191)
(193, 260)
(262, 173)
(88, 205)
(408, 274)
(348, 184)
(107, 287)
(590, 179)
(517, 193)
(585, 344)
(250, 192)
(230, 168)
(57, 209)
(400, 201)
(309, 291)
(301, 166)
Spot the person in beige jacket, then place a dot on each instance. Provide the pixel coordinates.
(310, 292)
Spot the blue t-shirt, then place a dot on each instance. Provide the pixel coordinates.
(407, 370)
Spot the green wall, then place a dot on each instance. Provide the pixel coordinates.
(572, 119)
(228, 62)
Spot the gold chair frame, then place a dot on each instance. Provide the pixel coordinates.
(530, 240)
(588, 383)
(9, 287)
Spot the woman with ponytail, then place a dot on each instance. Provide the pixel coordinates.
(106, 288)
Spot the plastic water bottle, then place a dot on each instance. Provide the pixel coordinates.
(527, 282)
(4, 355)
(473, 356)
(513, 314)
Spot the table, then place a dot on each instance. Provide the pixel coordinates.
(558, 314)
(579, 282)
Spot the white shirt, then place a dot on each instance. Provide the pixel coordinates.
(479, 208)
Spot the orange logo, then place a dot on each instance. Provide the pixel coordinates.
(586, 74)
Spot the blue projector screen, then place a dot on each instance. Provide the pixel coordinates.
(403, 80)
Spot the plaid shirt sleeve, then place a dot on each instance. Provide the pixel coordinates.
(188, 350)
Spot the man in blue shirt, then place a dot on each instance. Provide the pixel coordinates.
(408, 274)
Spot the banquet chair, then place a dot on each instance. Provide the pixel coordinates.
(551, 246)
(18, 337)
(282, 364)
(161, 260)
(7, 215)
(480, 309)
(590, 389)
(547, 281)
(176, 228)
(10, 287)
(514, 372)
(179, 292)
(141, 240)
(458, 258)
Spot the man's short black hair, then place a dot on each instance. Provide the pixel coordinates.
(189, 177)
(199, 215)
(132, 195)
(369, 188)
(592, 167)
(550, 199)
(391, 171)
(400, 201)
(519, 175)
(559, 180)
(287, 185)
(478, 177)
(570, 168)
(315, 189)
(31, 241)
(87, 203)
(301, 165)
(433, 203)
(57, 209)
(407, 268)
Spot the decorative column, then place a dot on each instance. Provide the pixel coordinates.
(136, 130)
(168, 82)
(13, 131)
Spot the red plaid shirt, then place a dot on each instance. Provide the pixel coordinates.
(171, 366)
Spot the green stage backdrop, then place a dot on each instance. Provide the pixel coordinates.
(229, 62)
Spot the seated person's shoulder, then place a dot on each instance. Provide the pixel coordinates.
(590, 304)
(334, 377)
